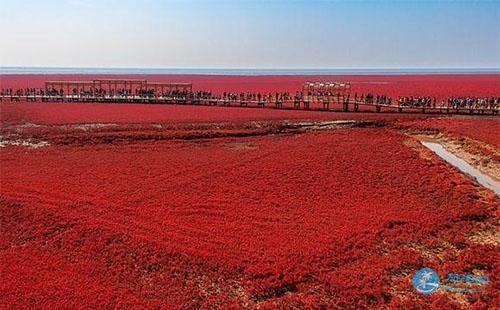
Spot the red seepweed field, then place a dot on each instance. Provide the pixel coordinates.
(168, 206)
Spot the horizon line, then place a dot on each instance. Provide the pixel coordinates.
(21, 70)
(249, 68)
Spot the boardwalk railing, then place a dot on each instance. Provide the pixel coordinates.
(311, 103)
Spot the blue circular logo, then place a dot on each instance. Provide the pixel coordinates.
(426, 281)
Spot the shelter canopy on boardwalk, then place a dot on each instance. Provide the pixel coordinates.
(326, 87)
(116, 84)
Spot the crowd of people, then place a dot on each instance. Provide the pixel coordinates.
(29, 93)
(451, 103)
(474, 102)
(244, 98)
(417, 102)
(373, 99)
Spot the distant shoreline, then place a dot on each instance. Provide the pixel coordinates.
(243, 72)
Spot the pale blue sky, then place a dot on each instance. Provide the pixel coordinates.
(250, 34)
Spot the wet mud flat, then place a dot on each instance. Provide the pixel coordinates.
(463, 166)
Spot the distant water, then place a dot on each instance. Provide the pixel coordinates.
(248, 72)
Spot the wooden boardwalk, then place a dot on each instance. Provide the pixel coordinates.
(312, 104)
